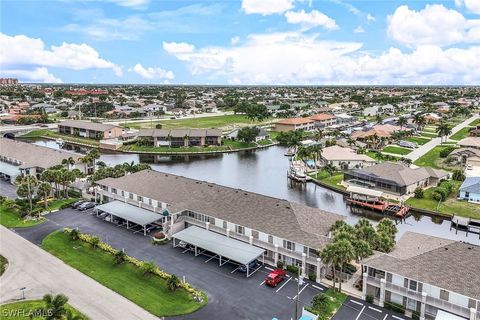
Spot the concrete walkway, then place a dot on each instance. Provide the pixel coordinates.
(420, 151)
(41, 273)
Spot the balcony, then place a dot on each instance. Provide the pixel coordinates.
(448, 306)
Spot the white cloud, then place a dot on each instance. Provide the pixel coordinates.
(152, 72)
(311, 19)
(266, 7)
(471, 5)
(433, 25)
(296, 58)
(131, 3)
(359, 29)
(178, 47)
(370, 18)
(235, 40)
(39, 74)
(30, 53)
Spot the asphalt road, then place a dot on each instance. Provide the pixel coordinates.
(356, 309)
(7, 189)
(231, 294)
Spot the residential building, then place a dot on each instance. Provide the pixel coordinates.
(470, 189)
(88, 129)
(395, 178)
(323, 120)
(426, 275)
(290, 232)
(345, 158)
(19, 158)
(472, 142)
(8, 81)
(180, 137)
(293, 124)
(466, 156)
(262, 135)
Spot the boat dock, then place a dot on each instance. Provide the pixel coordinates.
(370, 199)
(465, 224)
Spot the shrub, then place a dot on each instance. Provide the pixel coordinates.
(416, 315)
(292, 269)
(369, 298)
(312, 276)
(446, 151)
(440, 194)
(74, 194)
(447, 185)
(419, 194)
(173, 283)
(280, 264)
(395, 307)
(458, 175)
(159, 235)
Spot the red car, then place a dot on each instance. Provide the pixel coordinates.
(275, 277)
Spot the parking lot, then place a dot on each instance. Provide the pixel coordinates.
(231, 294)
(356, 309)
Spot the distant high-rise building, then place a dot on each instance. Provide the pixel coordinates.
(8, 81)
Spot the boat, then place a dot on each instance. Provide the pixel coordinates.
(59, 141)
(290, 152)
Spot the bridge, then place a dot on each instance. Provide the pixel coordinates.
(14, 131)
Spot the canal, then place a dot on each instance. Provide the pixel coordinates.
(264, 171)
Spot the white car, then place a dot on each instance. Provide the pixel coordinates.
(469, 167)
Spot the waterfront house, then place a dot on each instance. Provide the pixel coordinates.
(345, 158)
(470, 189)
(426, 275)
(262, 135)
(288, 231)
(88, 129)
(293, 124)
(395, 178)
(19, 158)
(323, 120)
(180, 137)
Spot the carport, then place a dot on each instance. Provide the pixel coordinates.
(133, 215)
(9, 171)
(228, 249)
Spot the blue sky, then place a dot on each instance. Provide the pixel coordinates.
(242, 42)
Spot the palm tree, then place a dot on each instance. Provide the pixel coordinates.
(419, 120)
(350, 141)
(344, 252)
(119, 256)
(327, 255)
(318, 135)
(74, 234)
(148, 267)
(68, 162)
(173, 283)
(44, 190)
(55, 306)
(402, 121)
(443, 130)
(86, 160)
(101, 164)
(26, 187)
(94, 155)
(330, 168)
(303, 153)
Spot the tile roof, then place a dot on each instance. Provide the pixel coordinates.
(88, 125)
(282, 218)
(295, 121)
(337, 153)
(470, 142)
(322, 116)
(444, 263)
(32, 155)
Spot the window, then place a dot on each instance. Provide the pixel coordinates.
(289, 245)
(114, 191)
(255, 234)
(150, 202)
(413, 285)
(123, 193)
(444, 294)
(139, 198)
(225, 225)
(239, 229)
(211, 220)
(411, 304)
(130, 195)
(270, 239)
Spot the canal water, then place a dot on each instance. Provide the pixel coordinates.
(265, 171)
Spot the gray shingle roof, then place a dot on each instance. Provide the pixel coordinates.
(179, 133)
(88, 125)
(471, 184)
(32, 155)
(444, 263)
(403, 175)
(285, 219)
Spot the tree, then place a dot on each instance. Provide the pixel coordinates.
(384, 242)
(158, 126)
(68, 162)
(330, 168)
(95, 242)
(418, 193)
(94, 155)
(320, 302)
(101, 164)
(362, 249)
(248, 134)
(69, 315)
(173, 283)
(458, 175)
(74, 234)
(328, 257)
(419, 120)
(318, 134)
(344, 252)
(388, 227)
(44, 190)
(26, 187)
(443, 130)
(55, 306)
(148, 267)
(119, 257)
(402, 121)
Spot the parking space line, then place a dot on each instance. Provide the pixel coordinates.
(283, 284)
(300, 292)
(394, 316)
(385, 316)
(374, 309)
(185, 250)
(359, 303)
(268, 268)
(261, 284)
(321, 289)
(210, 258)
(235, 269)
(360, 313)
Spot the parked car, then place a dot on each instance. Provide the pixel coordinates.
(275, 277)
(43, 126)
(251, 266)
(76, 204)
(85, 206)
(469, 167)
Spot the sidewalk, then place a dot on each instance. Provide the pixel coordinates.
(40, 273)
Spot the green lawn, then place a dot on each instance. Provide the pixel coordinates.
(21, 310)
(335, 301)
(3, 264)
(475, 123)
(264, 142)
(451, 206)
(418, 140)
(59, 203)
(431, 158)
(150, 293)
(45, 133)
(11, 219)
(396, 150)
(333, 180)
(379, 156)
(228, 145)
(202, 122)
(461, 134)
(428, 135)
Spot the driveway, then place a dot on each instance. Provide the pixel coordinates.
(7, 189)
(231, 294)
(356, 309)
(420, 151)
(40, 273)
